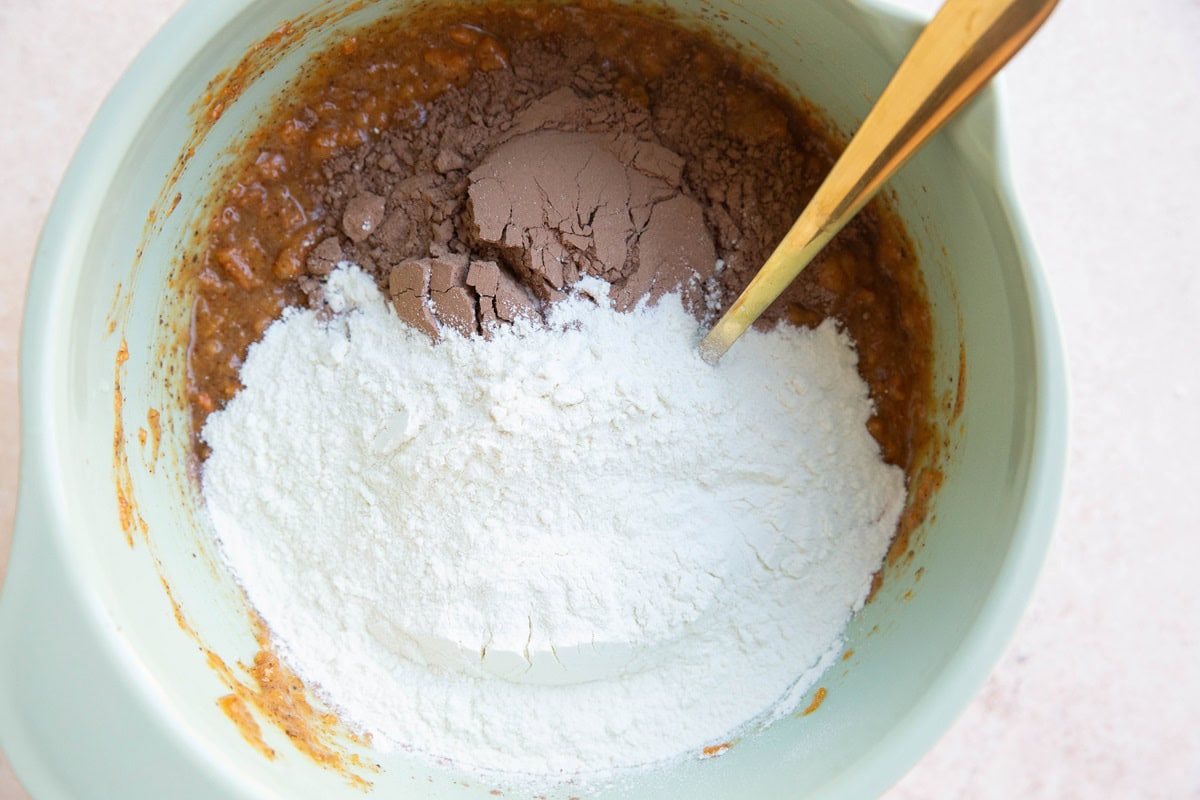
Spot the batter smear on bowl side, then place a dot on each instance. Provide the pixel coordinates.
(458, 445)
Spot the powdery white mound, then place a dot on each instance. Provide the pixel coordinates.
(565, 549)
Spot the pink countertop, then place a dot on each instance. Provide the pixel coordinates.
(1098, 695)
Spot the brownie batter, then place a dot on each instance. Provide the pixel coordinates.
(478, 160)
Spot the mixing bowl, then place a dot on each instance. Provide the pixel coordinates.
(117, 614)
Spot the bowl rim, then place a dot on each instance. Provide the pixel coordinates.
(42, 496)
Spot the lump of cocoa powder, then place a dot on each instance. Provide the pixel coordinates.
(454, 305)
(364, 213)
(323, 258)
(408, 287)
(501, 297)
(558, 205)
(452, 292)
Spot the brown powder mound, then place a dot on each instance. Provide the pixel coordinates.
(566, 185)
(559, 205)
(554, 205)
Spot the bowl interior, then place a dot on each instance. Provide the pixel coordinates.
(920, 647)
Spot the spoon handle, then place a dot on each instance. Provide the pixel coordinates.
(961, 48)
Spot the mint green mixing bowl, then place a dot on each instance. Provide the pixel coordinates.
(103, 694)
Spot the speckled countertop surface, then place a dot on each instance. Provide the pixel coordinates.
(1099, 694)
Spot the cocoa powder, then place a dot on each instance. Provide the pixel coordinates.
(550, 174)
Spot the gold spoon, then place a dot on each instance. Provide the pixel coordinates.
(961, 48)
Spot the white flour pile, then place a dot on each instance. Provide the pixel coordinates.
(561, 551)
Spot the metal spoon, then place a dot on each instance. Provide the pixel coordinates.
(962, 47)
